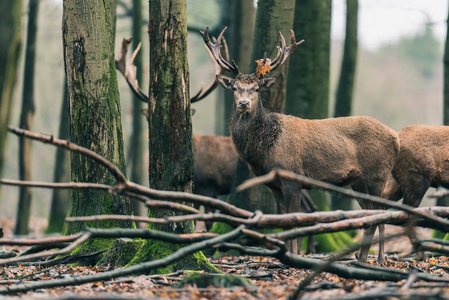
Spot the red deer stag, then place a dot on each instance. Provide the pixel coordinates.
(355, 151)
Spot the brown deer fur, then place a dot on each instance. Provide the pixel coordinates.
(355, 151)
(422, 162)
(215, 165)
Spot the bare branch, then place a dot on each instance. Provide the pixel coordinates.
(313, 183)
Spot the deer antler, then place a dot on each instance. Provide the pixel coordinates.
(129, 71)
(215, 50)
(218, 70)
(283, 52)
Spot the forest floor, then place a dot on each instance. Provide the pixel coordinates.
(268, 278)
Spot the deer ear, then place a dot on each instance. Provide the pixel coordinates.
(225, 81)
(267, 82)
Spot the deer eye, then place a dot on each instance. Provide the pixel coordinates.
(257, 90)
(234, 88)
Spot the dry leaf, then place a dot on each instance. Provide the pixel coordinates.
(263, 68)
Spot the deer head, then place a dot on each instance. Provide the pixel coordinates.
(247, 87)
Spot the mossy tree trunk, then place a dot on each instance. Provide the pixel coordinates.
(343, 99)
(308, 84)
(239, 17)
(137, 138)
(26, 121)
(94, 110)
(170, 125)
(10, 15)
(61, 198)
(272, 17)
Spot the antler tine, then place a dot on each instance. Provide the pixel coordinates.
(215, 49)
(218, 70)
(284, 52)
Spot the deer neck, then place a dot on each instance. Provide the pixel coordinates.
(254, 134)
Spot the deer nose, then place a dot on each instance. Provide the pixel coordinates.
(243, 103)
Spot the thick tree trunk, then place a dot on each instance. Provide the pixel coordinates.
(272, 17)
(170, 124)
(343, 100)
(26, 121)
(137, 138)
(61, 198)
(10, 15)
(94, 109)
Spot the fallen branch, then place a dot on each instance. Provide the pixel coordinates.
(123, 185)
(116, 233)
(316, 184)
(140, 268)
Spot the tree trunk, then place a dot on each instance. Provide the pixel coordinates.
(308, 87)
(272, 17)
(170, 125)
(61, 198)
(94, 110)
(137, 138)
(26, 121)
(10, 15)
(343, 101)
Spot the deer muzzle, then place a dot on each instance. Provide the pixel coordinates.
(243, 104)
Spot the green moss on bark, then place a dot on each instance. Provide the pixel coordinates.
(153, 250)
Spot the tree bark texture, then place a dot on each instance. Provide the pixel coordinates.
(26, 121)
(94, 106)
(61, 198)
(10, 15)
(308, 85)
(137, 138)
(170, 124)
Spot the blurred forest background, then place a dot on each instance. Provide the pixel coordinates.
(399, 76)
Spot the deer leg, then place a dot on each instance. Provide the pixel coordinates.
(368, 235)
(414, 191)
(381, 256)
(375, 190)
(308, 206)
(292, 198)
